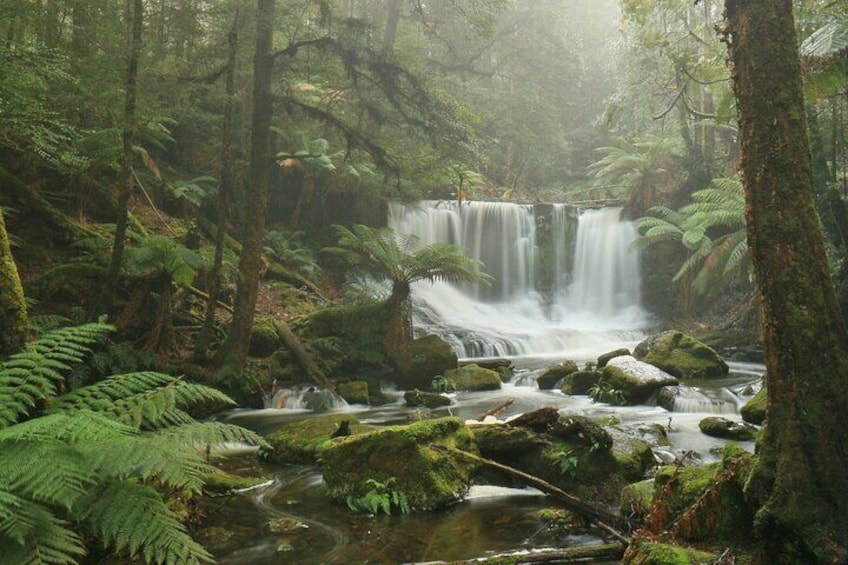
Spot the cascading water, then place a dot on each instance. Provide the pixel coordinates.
(553, 294)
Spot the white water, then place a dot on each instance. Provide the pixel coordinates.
(590, 305)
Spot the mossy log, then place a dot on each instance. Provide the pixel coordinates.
(303, 357)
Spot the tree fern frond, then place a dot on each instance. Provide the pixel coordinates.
(202, 434)
(738, 253)
(64, 480)
(133, 518)
(30, 534)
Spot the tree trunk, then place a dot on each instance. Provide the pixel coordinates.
(13, 315)
(234, 351)
(392, 8)
(801, 474)
(399, 325)
(110, 285)
(204, 337)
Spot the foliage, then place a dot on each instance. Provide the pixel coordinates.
(711, 229)
(443, 384)
(158, 255)
(288, 249)
(605, 392)
(109, 444)
(381, 497)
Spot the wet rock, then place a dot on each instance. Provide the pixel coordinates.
(285, 525)
(681, 356)
(604, 359)
(553, 375)
(636, 381)
(426, 399)
(636, 498)
(298, 442)
(580, 382)
(407, 457)
(420, 362)
(723, 428)
(354, 392)
(754, 411)
(497, 442)
(473, 377)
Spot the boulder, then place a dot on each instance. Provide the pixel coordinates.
(723, 428)
(405, 457)
(354, 392)
(298, 442)
(497, 442)
(635, 380)
(264, 338)
(553, 375)
(604, 359)
(417, 398)
(754, 411)
(580, 382)
(473, 377)
(681, 356)
(425, 358)
(636, 498)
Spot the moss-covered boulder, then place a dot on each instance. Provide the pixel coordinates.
(707, 502)
(354, 392)
(425, 358)
(500, 442)
(716, 426)
(636, 498)
(548, 379)
(357, 336)
(264, 338)
(298, 442)
(681, 355)
(634, 381)
(754, 411)
(218, 481)
(473, 377)
(580, 382)
(647, 552)
(604, 359)
(418, 398)
(405, 456)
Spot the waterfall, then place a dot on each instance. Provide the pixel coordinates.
(564, 285)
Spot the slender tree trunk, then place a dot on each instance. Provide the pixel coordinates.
(127, 182)
(225, 187)
(13, 314)
(399, 325)
(392, 19)
(801, 476)
(234, 351)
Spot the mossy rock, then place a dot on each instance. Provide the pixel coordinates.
(646, 552)
(635, 380)
(264, 338)
(298, 442)
(605, 358)
(354, 392)
(754, 411)
(725, 428)
(218, 481)
(633, 456)
(636, 498)
(553, 375)
(425, 358)
(417, 398)
(681, 355)
(711, 496)
(500, 442)
(580, 382)
(361, 329)
(473, 377)
(428, 477)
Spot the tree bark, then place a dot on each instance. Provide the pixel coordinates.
(801, 474)
(13, 314)
(303, 357)
(127, 180)
(234, 350)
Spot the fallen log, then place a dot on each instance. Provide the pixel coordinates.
(293, 343)
(601, 518)
(496, 410)
(580, 554)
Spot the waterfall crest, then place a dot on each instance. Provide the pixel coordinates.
(565, 284)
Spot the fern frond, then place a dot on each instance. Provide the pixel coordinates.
(132, 518)
(61, 482)
(738, 253)
(30, 534)
(202, 434)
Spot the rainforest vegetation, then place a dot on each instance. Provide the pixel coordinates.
(193, 207)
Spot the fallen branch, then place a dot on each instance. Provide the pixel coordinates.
(581, 554)
(293, 343)
(597, 516)
(496, 410)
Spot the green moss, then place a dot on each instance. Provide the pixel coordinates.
(636, 498)
(655, 553)
(428, 477)
(298, 442)
(421, 361)
(681, 355)
(354, 392)
(221, 482)
(474, 377)
(754, 410)
(264, 338)
(548, 379)
(580, 382)
(426, 399)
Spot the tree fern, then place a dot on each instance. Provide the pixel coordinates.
(108, 445)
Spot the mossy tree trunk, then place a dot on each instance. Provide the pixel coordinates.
(804, 451)
(233, 353)
(13, 314)
(399, 324)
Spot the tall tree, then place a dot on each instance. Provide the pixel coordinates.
(127, 136)
(13, 314)
(801, 479)
(234, 350)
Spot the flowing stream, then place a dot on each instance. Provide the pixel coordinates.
(565, 286)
